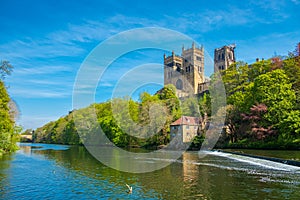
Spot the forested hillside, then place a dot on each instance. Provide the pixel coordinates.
(8, 130)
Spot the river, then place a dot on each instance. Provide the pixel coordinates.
(44, 171)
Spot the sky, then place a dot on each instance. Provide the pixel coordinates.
(47, 42)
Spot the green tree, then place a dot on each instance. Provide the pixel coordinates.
(275, 91)
(8, 130)
(290, 126)
(5, 69)
(190, 107)
(291, 66)
(235, 78)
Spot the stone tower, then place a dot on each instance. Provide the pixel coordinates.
(224, 57)
(186, 72)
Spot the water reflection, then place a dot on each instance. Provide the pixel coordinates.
(66, 172)
(190, 170)
(4, 166)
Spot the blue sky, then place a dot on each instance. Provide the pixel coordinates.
(46, 41)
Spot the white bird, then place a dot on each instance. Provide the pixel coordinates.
(129, 189)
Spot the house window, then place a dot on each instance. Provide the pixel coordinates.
(187, 127)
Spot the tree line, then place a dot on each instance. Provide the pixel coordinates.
(262, 111)
(149, 123)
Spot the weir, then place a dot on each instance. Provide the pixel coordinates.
(284, 161)
(267, 162)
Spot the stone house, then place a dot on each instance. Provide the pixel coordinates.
(186, 126)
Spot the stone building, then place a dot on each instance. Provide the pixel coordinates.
(224, 57)
(186, 126)
(185, 72)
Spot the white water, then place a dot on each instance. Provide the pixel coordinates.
(230, 162)
(256, 161)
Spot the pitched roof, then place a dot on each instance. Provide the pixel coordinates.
(186, 120)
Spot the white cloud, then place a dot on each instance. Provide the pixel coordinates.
(210, 20)
(296, 2)
(38, 70)
(269, 4)
(37, 48)
(266, 46)
(106, 84)
(43, 82)
(39, 93)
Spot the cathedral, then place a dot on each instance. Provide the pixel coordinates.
(186, 71)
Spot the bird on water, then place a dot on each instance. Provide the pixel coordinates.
(129, 189)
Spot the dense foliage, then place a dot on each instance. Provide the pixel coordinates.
(263, 103)
(116, 121)
(8, 131)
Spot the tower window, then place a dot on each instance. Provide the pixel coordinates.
(171, 64)
(223, 56)
(199, 69)
(198, 58)
(199, 88)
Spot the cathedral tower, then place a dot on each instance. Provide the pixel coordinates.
(224, 57)
(186, 70)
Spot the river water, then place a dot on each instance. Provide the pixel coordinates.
(43, 171)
